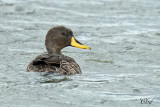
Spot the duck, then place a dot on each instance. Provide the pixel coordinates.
(54, 61)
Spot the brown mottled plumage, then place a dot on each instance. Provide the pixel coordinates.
(56, 39)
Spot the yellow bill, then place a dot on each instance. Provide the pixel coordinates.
(78, 45)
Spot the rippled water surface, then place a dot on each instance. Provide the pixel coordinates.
(122, 67)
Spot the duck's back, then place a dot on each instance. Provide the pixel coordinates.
(54, 63)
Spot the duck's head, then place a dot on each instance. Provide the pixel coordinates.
(59, 37)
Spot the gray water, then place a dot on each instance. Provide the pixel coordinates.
(122, 67)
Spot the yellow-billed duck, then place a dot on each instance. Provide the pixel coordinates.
(56, 39)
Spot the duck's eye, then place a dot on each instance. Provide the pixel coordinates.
(63, 33)
(71, 33)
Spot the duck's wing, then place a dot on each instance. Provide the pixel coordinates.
(44, 63)
(46, 59)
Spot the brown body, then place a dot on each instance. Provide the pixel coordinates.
(56, 64)
(56, 39)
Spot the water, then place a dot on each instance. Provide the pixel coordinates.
(122, 67)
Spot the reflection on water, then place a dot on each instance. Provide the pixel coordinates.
(56, 80)
(122, 67)
(97, 60)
